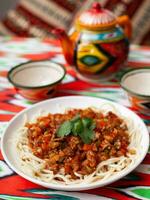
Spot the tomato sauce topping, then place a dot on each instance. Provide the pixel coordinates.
(110, 139)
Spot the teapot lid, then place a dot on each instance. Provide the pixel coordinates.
(96, 18)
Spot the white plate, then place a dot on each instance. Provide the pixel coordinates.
(58, 105)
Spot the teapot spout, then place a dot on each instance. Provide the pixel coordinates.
(66, 43)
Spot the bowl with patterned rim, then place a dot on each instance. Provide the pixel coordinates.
(37, 80)
(136, 83)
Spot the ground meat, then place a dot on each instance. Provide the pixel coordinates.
(111, 139)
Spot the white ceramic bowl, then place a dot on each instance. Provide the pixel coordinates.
(136, 82)
(37, 80)
(59, 105)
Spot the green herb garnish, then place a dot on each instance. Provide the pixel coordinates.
(78, 126)
(64, 129)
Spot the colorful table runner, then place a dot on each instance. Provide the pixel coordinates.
(13, 51)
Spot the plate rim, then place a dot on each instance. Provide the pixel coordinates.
(73, 187)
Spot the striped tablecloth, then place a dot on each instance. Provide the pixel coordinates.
(13, 187)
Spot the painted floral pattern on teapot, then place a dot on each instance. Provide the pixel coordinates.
(101, 54)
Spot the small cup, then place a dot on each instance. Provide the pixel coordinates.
(36, 80)
(136, 83)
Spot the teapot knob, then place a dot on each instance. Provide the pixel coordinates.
(96, 7)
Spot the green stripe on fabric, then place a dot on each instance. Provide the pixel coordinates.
(142, 192)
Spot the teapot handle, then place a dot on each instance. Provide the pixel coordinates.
(125, 22)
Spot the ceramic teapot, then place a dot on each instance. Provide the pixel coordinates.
(99, 44)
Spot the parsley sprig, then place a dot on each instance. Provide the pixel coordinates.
(83, 127)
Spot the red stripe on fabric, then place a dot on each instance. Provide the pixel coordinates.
(52, 41)
(10, 25)
(147, 159)
(137, 64)
(145, 117)
(110, 193)
(81, 86)
(142, 116)
(18, 39)
(40, 56)
(3, 73)
(17, 186)
(5, 117)
(2, 53)
(8, 107)
(6, 96)
(1, 157)
(7, 92)
(133, 7)
(65, 4)
(142, 180)
(34, 19)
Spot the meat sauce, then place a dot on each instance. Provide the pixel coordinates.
(111, 139)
